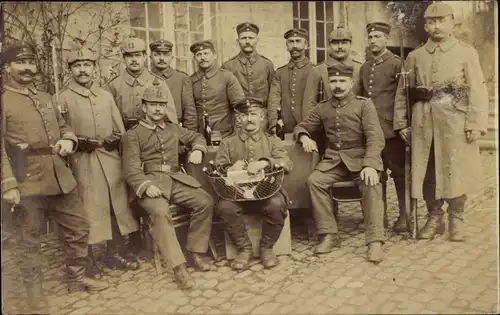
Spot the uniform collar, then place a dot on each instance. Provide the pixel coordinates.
(432, 45)
(141, 79)
(243, 58)
(167, 73)
(299, 64)
(341, 103)
(386, 55)
(332, 61)
(244, 136)
(150, 125)
(25, 90)
(208, 74)
(80, 89)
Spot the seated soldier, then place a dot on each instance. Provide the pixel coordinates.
(151, 169)
(250, 145)
(355, 143)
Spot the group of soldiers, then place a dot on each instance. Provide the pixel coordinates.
(97, 159)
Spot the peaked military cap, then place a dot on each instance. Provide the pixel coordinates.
(297, 32)
(161, 45)
(340, 69)
(133, 44)
(81, 53)
(438, 9)
(18, 51)
(247, 27)
(340, 33)
(204, 44)
(378, 26)
(155, 93)
(249, 102)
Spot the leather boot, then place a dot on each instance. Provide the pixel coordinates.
(34, 290)
(433, 226)
(400, 225)
(456, 227)
(78, 281)
(116, 261)
(238, 234)
(242, 260)
(375, 252)
(183, 278)
(327, 243)
(93, 270)
(199, 262)
(268, 257)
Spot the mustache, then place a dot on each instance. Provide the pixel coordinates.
(295, 49)
(83, 74)
(27, 71)
(338, 90)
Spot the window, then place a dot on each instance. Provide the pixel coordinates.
(318, 18)
(183, 23)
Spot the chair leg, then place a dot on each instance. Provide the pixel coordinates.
(336, 209)
(213, 249)
(384, 198)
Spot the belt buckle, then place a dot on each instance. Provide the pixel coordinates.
(165, 168)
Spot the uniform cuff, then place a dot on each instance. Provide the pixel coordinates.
(142, 188)
(200, 147)
(8, 184)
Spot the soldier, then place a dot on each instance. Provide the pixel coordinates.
(92, 114)
(355, 142)
(127, 90)
(449, 113)
(287, 87)
(215, 90)
(178, 82)
(253, 71)
(251, 144)
(317, 88)
(151, 168)
(35, 178)
(378, 80)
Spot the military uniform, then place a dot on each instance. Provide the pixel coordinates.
(180, 87)
(254, 72)
(216, 91)
(151, 157)
(444, 165)
(378, 81)
(288, 88)
(43, 180)
(245, 147)
(355, 141)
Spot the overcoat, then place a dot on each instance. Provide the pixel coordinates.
(444, 119)
(92, 113)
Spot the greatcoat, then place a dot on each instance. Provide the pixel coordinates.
(444, 119)
(93, 113)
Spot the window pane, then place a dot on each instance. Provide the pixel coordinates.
(180, 16)
(304, 10)
(155, 35)
(137, 14)
(295, 9)
(140, 34)
(182, 65)
(329, 10)
(329, 28)
(308, 54)
(295, 23)
(320, 15)
(196, 37)
(182, 44)
(196, 19)
(320, 56)
(155, 15)
(305, 24)
(320, 35)
(198, 4)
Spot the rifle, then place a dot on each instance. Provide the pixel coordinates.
(410, 203)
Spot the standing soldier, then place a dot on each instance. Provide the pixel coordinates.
(288, 85)
(178, 82)
(254, 71)
(151, 168)
(339, 52)
(449, 114)
(215, 90)
(355, 142)
(94, 117)
(251, 145)
(127, 90)
(36, 179)
(378, 81)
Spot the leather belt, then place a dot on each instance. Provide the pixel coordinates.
(344, 145)
(164, 168)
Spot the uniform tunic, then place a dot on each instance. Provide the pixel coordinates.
(443, 120)
(182, 92)
(127, 92)
(254, 74)
(92, 113)
(287, 92)
(216, 92)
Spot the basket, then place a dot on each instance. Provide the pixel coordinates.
(240, 186)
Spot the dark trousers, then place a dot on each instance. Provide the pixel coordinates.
(67, 211)
(273, 209)
(456, 206)
(199, 202)
(393, 157)
(319, 184)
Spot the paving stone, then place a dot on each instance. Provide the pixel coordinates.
(198, 301)
(266, 308)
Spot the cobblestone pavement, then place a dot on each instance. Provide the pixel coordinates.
(416, 277)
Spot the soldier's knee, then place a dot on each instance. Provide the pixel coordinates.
(207, 200)
(314, 180)
(225, 208)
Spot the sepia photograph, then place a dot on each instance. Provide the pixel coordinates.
(263, 158)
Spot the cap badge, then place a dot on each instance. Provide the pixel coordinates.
(130, 44)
